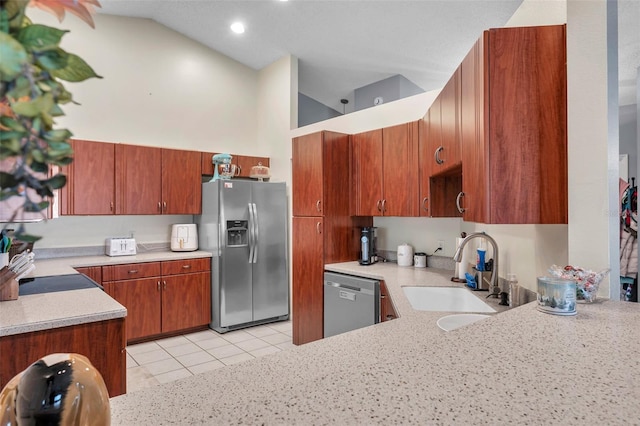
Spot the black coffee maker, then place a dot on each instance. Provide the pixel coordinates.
(368, 252)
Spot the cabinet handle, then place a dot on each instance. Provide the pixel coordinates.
(164, 285)
(458, 198)
(424, 204)
(133, 271)
(164, 206)
(158, 285)
(379, 205)
(238, 170)
(159, 206)
(318, 206)
(437, 155)
(186, 266)
(319, 227)
(384, 205)
(111, 206)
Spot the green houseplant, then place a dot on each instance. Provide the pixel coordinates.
(32, 71)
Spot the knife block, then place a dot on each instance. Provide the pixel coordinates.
(8, 285)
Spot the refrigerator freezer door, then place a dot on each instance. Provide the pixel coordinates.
(235, 288)
(270, 273)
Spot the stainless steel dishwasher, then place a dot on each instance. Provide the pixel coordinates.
(349, 303)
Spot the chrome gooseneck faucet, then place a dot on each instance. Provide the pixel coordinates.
(494, 273)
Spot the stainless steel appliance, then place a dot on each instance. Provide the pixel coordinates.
(349, 303)
(244, 225)
(368, 251)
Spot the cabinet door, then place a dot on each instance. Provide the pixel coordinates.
(434, 136)
(186, 301)
(367, 172)
(387, 311)
(142, 300)
(400, 170)
(93, 272)
(206, 163)
(139, 179)
(244, 163)
(307, 172)
(474, 169)
(181, 182)
(424, 167)
(450, 155)
(91, 188)
(307, 268)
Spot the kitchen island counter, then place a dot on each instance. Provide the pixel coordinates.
(45, 311)
(519, 367)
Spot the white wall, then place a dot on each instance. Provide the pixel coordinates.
(163, 89)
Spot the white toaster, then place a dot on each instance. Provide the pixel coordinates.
(123, 246)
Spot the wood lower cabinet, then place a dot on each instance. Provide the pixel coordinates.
(385, 171)
(387, 310)
(103, 343)
(514, 135)
(93, 272)
(308, 271)
(161, 297)
(186, 294)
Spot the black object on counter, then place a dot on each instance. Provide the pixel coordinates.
(50, 284)
(504, 299)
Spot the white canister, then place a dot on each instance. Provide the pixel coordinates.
(420, 260)
(405, 255)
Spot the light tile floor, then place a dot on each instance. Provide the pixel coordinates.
(174, 358)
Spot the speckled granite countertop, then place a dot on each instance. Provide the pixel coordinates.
(521, 366)
(60, 309)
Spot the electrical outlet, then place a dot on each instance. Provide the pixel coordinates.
(441, 245)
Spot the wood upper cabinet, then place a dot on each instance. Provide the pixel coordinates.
(91, 187)
(451, 154)
(243, 162)
(367, 173)
(181, 182)
(320, 174)
(385, 171)
(424, 167)
(154, 180)
(515, 151)
(307, 269)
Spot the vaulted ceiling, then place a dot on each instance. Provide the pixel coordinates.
(342, 45)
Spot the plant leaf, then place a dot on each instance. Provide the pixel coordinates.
(33, 108)
(53, 59)
(76, 70)
(58, 135)
(12, 123)
(7, 180)
(37, 36)
(13, 57)
(55, 182)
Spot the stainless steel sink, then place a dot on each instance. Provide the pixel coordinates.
(445, 299)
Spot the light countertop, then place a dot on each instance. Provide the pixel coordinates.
(521, 366)
(60, 309)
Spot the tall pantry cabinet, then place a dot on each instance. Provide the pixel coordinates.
(323, 231)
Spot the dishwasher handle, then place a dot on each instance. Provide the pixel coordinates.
(347, 287)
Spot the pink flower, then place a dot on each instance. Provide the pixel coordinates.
(83, 9)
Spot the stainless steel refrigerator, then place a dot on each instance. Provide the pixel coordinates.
(244, 225)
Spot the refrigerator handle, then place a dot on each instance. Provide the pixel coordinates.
(252, 245)
(256, 233)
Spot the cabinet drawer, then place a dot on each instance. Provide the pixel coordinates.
(130, 271)
(186, 266)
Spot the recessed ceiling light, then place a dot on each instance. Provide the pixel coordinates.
(237, 27)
